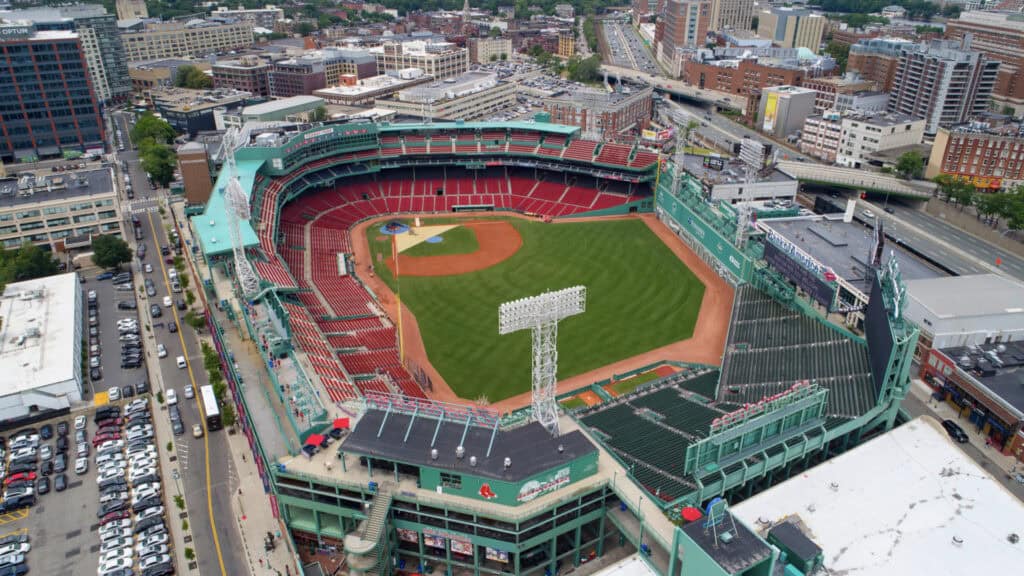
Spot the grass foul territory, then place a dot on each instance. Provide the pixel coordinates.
(640, 297)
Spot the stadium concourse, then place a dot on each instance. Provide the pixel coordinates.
(400, 483)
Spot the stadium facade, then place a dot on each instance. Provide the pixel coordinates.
(417, 486)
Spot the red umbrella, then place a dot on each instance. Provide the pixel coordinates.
(341, 423)
(691, 514)
(314, 440)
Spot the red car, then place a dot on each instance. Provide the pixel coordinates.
(101, 438)
(114, 516)
(108, 430)
(20, 476)
(109, 422)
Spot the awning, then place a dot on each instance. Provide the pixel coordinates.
(314, 440)
(341, 423)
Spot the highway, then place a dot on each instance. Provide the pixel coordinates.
(678, 87)
(207, 478)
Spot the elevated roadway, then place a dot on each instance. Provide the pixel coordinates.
(852, 178)
(679, 88)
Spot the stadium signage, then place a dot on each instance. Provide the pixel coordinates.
(795, 392)
(535, 488)
(797, 254)
(318, 133)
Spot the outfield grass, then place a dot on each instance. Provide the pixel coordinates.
(623, 387)
(640, 297)
(459, 240)
(573, 403)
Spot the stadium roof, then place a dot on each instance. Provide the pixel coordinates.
(212, 225)
(435, 126)
(37, 342)
(907, 502)
(531, 448)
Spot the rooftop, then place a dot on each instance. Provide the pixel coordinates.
(31, 189)
(884, 119)
(948, 297)
(998, 367)
(372, 84)
(734, 171)
(744, 550)
(186, 99)
(404, 438)
(37, 339)
(283, 104)
(907, 502)
(844, 247)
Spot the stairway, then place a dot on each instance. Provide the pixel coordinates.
(363, 547)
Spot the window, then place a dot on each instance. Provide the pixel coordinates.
(451, 480)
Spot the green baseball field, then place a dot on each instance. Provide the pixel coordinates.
(639, 297)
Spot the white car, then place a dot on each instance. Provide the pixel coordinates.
(94, 361)
(111, 474)
(140, 435)
(140, 472)
(23, 453)
(81, 466)
(141, 449)
(109, 457)
(189, 392)
(142, 463)
(139, 427)
(45, 452)
(161, 351)
(116, 554)
(12, 559)
(114, 566)
(80, 422)
(16, 548)
(153, 561)
(116, 544)
(114, 534)
(149, 513)
(110, 445)
(136, 406)
(148, 268)
(141, 495)
(104, 498)
(148, 487)
(168, 302)
(172, 396)
(180, 361)
(114, 526)
(152, 550)
(114, 393)
(197, 431)
(82, 449)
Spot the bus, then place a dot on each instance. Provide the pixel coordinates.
(210, 408)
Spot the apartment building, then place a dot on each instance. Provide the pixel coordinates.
(47, 101)
(248, 73)
(820, 136)
(259, 17)
(748, 71)
(988, 154)
(999, 36)
(865, 133)
(830, 87)
(437, 59)
(791, 27)
(58, 210)
(471, 96)
(944, 82)
(876, 59)
(97, 32)
(195, 38)
(602, 114)
(297, 76)
(731, 15)
(686, 24)
(484, 50)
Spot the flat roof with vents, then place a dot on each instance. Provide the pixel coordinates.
(907, 502)
(37, 340)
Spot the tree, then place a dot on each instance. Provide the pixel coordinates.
(841, 52)
(190, 76)
(159, 160)
(910, 165)
(152, 128)
(25, 263)
(689, 128)
(494, 32)
(586, 70)
(494, 57)
(306, 28)
(504, 56)
(110, 251)
(227, 414)
(318, 114)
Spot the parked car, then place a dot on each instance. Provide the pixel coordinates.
(955, 431)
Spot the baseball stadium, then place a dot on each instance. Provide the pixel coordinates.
(397, 419)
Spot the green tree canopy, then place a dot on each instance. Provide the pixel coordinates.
(152, 128)
(494, 32)
(910, 165)
(841, 52)
(189, 76)
(159, 160)
(110, 251)
(25, 263)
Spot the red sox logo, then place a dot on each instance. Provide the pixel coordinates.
(486, 492)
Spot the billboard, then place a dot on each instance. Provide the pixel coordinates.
(771, 109)
(820, 290)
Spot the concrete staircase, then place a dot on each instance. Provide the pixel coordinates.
(364, 547)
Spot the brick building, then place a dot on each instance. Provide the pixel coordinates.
(991, 156)
(748, 71)
(877, 60)
(250, 74)
(610, 116)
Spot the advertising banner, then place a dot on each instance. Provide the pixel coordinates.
(808, 281)
(462, 547)
(771, 108)
(434, 541)
(496, 555)
(408, 535)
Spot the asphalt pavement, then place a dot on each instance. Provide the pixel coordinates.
(203, 498)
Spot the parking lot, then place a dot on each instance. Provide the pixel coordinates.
(625, 47)
(107, 337)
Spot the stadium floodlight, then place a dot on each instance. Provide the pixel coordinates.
(541, 314)
(238, 212)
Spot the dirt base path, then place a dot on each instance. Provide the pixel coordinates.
(497, 240)
(705, 347)
(590, 397)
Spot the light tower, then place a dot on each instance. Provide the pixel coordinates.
(541, 314)
(237, 211)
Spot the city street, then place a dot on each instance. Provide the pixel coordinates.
(207, 479)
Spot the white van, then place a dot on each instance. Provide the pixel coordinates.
(181, 362)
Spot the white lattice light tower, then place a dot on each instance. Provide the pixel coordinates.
(238, 211)
(541, 314)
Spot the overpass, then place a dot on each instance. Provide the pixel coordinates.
(851, 178)
(678, 88)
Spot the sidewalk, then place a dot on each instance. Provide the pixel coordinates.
(943, 411)
(251, 506)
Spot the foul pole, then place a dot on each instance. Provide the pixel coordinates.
(398, 298)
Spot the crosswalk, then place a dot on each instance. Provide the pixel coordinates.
(182, 449)
(142, 206)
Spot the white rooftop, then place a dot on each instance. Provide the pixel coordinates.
(629, 566)
(283, 104)
(45, 306)
(370, 84)
(894, 506)
(972, 295)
